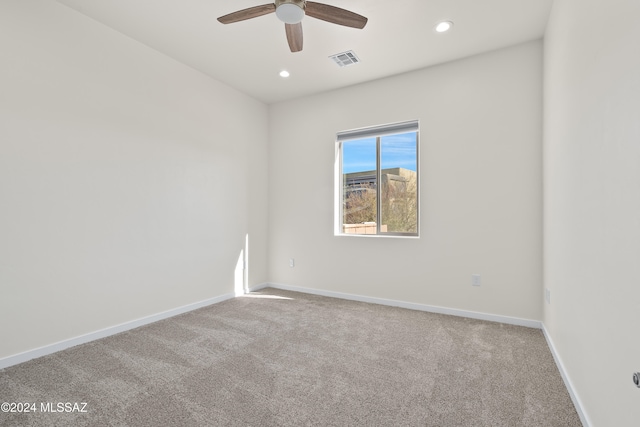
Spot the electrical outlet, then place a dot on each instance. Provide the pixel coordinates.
(475, 280)
(547, 295)
(292, 262)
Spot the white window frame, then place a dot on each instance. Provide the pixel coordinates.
(374, 132)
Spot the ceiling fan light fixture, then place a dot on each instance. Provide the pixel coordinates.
(443, 26)
(290, 13)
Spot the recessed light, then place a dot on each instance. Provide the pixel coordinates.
(284, 73)
(444, 26)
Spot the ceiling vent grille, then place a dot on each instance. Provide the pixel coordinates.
(345, 58)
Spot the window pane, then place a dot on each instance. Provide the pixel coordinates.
(378, 180)
(399, 183)
(359, 202)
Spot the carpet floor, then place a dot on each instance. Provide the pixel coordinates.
(279, 358)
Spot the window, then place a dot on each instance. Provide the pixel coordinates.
(377, 182)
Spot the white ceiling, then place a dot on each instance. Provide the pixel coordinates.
(249, 55)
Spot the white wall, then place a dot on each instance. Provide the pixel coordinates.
(592, 201)
(481, 187)
(128, 181)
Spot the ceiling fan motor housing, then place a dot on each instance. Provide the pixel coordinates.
(290, 11)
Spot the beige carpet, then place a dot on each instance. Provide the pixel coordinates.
(278, 358)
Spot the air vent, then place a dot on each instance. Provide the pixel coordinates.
(345, 58)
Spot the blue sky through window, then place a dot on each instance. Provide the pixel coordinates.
(359, 155)
(397, 151)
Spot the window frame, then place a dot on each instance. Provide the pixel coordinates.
(376, 132)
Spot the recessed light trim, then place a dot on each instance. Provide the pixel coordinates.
(443, 27)
(284, 74)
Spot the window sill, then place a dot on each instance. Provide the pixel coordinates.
(379, 236)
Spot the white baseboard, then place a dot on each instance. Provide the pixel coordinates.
(102, 333)
(567, 382)
(412, 306)
(260, 286)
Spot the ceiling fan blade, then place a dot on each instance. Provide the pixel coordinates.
(252, 12)
(335, 15)
(294, 36)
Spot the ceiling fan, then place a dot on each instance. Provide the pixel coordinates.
(291, 13)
